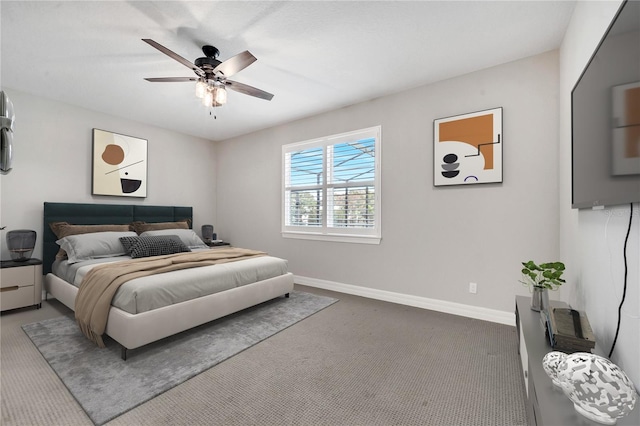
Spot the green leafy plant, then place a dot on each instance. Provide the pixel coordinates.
(546, 275)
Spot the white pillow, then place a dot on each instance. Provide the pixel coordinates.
(188, 236)
(94, 245)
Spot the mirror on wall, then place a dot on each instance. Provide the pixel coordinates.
(7, 118)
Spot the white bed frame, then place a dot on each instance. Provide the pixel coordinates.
(134, 330)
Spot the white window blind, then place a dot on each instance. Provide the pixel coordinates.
(331, 187)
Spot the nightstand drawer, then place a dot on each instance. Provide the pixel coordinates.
(20, 277)
(13, 297)
(20, 284)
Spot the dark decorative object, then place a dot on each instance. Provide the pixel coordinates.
(20, 244)
(207, 233)
(7, 118)
(570, 331)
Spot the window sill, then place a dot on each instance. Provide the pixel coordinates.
(358, 239)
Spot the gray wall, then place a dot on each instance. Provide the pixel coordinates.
(52, 162)
(434, 240)
(592, 240)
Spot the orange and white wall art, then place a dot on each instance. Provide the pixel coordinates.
(467, 149)
(119, 165)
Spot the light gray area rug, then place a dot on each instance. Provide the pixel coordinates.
(106, 386)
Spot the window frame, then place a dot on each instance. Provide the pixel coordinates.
(369, 235)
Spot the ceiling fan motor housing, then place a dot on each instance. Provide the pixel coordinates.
(210, 51)
(207, 63)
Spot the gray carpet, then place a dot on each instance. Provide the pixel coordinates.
(106, 386)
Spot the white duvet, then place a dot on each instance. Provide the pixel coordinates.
(155, 291)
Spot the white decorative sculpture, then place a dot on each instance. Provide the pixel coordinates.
(598, 388)
(550, 363)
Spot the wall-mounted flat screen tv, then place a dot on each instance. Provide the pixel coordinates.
(605, 120)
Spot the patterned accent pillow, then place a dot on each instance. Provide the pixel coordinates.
(137, 247)
(188, 237)
(128, 242)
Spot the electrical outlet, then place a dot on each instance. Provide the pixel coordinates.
(473, 288)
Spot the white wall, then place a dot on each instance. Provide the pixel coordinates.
(592, 241)
(52, 162)
(434, 240)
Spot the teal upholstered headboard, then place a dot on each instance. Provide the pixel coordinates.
(101, 214)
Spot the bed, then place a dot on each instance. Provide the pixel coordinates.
(132, 329)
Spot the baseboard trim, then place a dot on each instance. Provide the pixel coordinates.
(485, 314)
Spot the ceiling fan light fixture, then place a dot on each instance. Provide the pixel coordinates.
(220, 95)
(201, 88)
(215, 95)
(207, 99)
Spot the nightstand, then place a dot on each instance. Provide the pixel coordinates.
(20, 284)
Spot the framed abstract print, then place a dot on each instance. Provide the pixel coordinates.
(119, 165)
(467, 149)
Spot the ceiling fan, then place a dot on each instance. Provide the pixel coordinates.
(211, 74)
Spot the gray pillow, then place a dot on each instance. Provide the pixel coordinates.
(94, 245)
(158, 245)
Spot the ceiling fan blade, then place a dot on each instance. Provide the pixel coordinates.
(175, 56)
(248, 90)
(235, 64)
(170, 79)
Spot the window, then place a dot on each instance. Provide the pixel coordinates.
(331, 188)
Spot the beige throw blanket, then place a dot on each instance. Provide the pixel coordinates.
(101, 283)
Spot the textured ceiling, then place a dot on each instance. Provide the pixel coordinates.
(313, 56)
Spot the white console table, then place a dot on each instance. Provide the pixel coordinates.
(546, 404)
